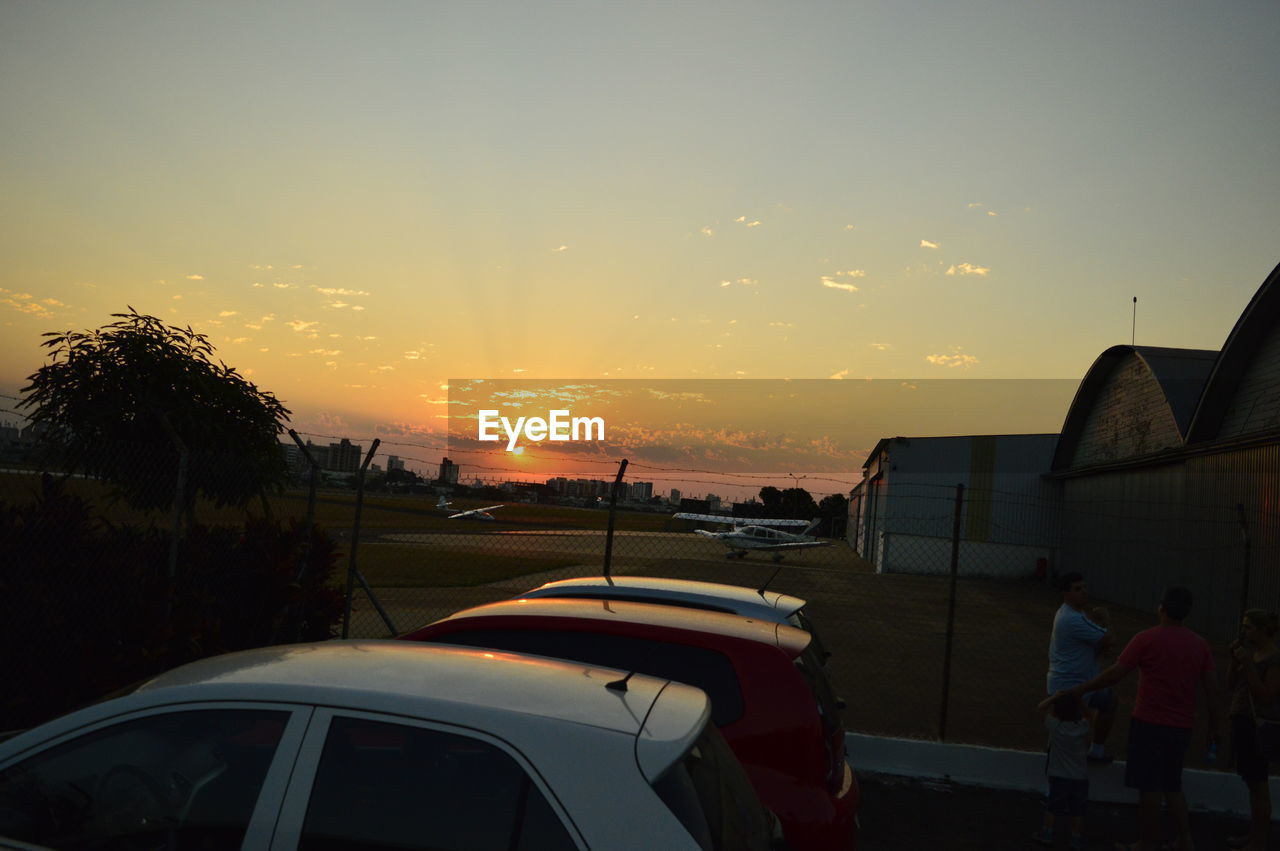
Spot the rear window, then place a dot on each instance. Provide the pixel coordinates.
(815, 676)
(710, 793)
(799, 619)
(709, 670)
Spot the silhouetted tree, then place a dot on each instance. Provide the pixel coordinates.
(117, 402)
(834, 510)
(771, 497)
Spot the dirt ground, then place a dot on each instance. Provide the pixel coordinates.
(887, 634)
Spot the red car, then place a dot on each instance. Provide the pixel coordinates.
(769, 693)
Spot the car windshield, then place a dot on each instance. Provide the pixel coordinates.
(710, 793)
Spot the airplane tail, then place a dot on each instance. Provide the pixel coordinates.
(443, 503)
(814, 525)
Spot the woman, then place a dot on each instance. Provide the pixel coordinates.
(1254, 682)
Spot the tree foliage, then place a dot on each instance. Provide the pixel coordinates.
(119, 403)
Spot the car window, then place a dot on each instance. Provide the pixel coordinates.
(707, 669)
(800, 619)
(388, 786)
(174, 780)
(709, 793)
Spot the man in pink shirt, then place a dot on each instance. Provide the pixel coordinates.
(1171, 661)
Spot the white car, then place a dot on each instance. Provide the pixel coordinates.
(764, 605)
(382, 745)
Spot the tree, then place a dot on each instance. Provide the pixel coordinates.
(124, 404)
(771, 497)
(835, 511)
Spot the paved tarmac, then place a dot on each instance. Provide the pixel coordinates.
(908, 813)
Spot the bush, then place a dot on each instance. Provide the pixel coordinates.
(86, 607)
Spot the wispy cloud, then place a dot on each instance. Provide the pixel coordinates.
(973, 205)
(194, 277)
(880, 347)
(282, 286)
(562, 248)
(968, 269)
(707, 232)
(260, 268)
(924, 243)
(852, 273)
(782, 324)
(832, 283)
(329, 353)
(850, 227)
(339, 291)
(754, 224)
(300, 326)
(952, 361)
(839, 375)
(742, 282)
(224, 314)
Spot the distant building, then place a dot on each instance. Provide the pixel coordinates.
(394, 462)
(344, 457)
(449, 472)
(675, 496)
(713, 502)
(641, 491)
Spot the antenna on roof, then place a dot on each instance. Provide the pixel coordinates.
(1133, 331)
(762, 588)
(620, 685)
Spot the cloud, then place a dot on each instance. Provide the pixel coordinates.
(240, 340)
(853, 273)
(831, 283)
(257, 285)
(260, 268)
(952, 361)
(329, 353)
(357, 308)
(411, 355)
(365, 339)
(740, 219)
(337, 305)
(924, 243)
(880, 347)
(974, 204)
(782, 324)
(227, 313)
(562, 248)
(707, 232)
(29, 307)
(299, 325)
(839, 375)
(296, 266)
(339, 291)
(52, 301)
(195, 277)
(754, 224)
(850, 227)
(283, 286)
(992, 213)
(742, 282)
(968, 269)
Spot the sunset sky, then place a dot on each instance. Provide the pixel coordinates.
(358, 202)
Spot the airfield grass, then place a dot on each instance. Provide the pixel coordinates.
(335, 510)
(387, 566)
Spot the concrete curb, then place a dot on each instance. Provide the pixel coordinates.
(998, 768)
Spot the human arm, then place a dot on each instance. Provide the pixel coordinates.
(1109, 677)
(1264, 687)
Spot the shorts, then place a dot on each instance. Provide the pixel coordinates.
(1156, 752)
(1067, 796)
(1250, 765)
(1102, 699)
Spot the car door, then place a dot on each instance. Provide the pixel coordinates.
(373, 782)
(192, 775)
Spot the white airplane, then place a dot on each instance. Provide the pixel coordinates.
(473, 514)
(757, 535)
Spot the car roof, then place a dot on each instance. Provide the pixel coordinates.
(787, 638)
(738, 598)
(489, 689)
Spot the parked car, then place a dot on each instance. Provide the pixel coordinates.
(382, 745)
(710, 596)
(769, 692)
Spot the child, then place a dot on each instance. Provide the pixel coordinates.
(1067, 769)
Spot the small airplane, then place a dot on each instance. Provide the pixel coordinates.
(757, 535)
(473, 514)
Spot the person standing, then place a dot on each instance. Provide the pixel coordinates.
(1074, 647)
(1254, 682)
(1067, 770)
(1171, 661)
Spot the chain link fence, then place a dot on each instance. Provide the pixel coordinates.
(937, 612)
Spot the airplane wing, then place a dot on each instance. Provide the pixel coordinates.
(739, 521)
(791, 545)
(473, 512)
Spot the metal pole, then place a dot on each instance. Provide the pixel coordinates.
(305, 557)
(355, 537)
(613, 504)
(1248, 553)
(951, 614)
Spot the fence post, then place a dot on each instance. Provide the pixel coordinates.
(951, 614)
(355, 537)
(613, 504)
(1248, 555)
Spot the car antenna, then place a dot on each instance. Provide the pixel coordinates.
(620, 685)
(762, 588)
(608, 539)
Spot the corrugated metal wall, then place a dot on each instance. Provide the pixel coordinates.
(1134, 532)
